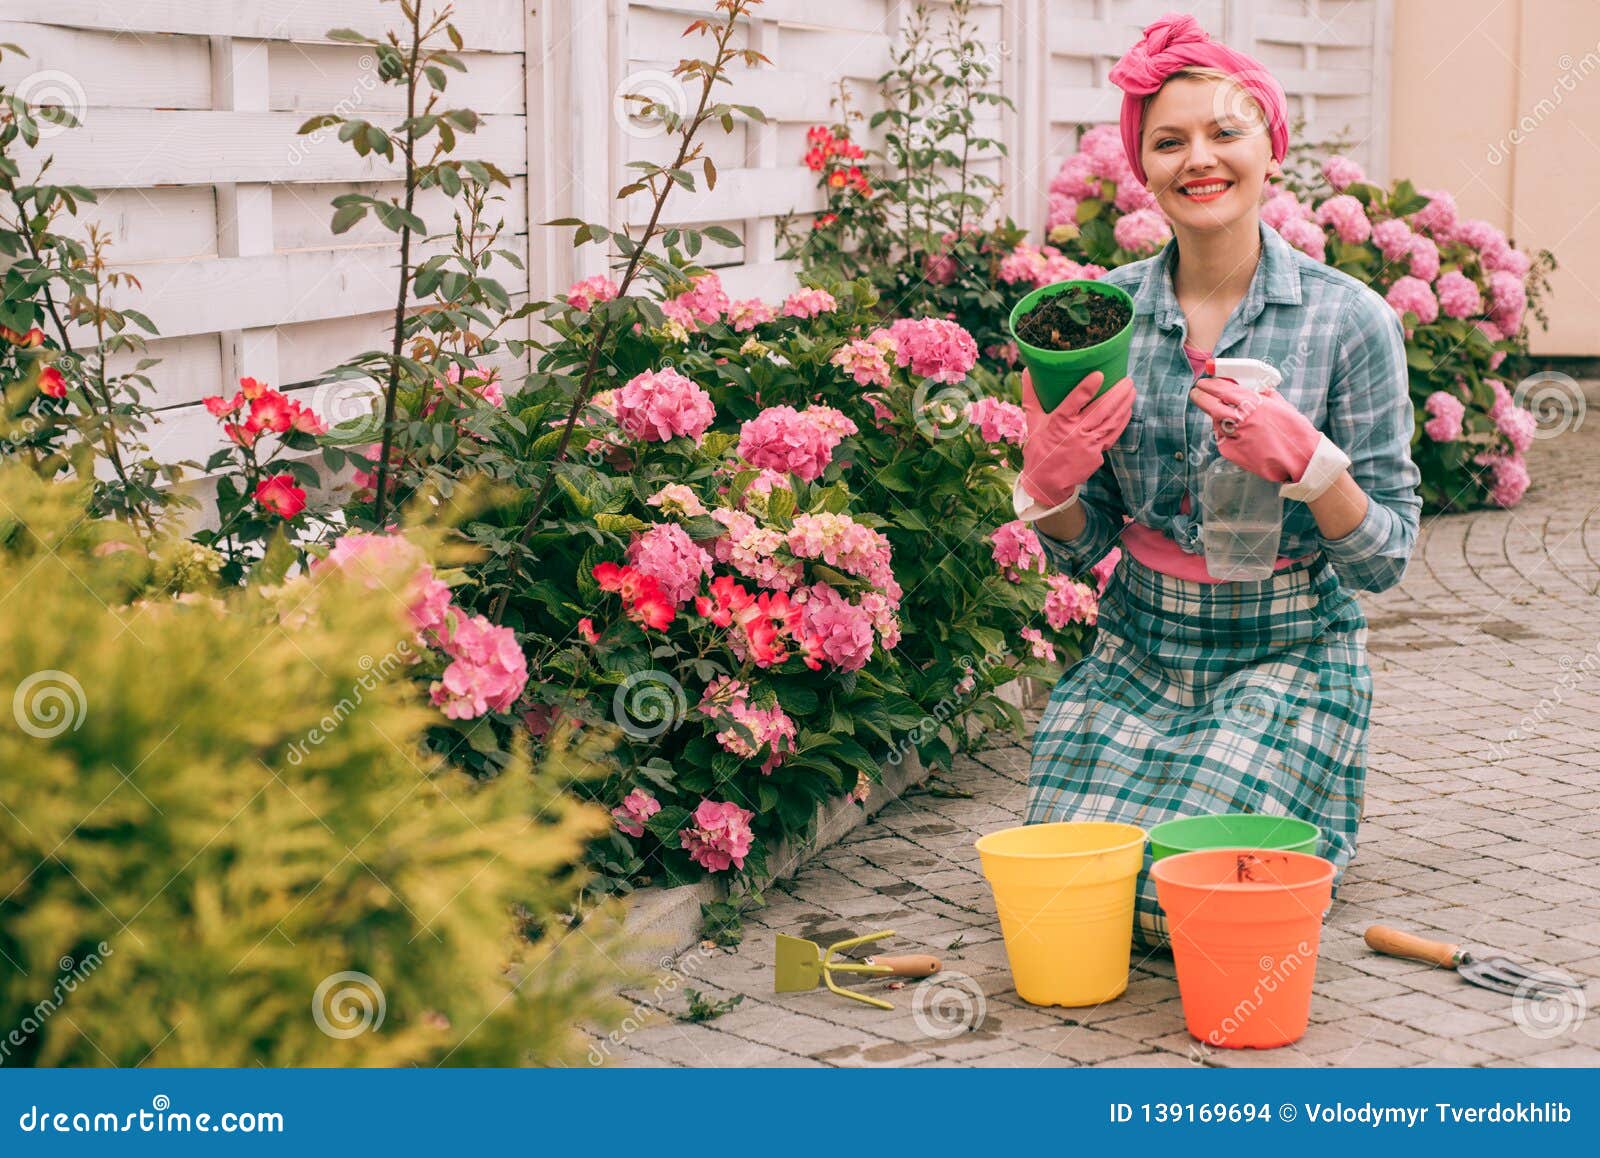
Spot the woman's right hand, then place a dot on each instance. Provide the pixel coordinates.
(1067, 445)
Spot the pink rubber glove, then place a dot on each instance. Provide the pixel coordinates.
(1067, 445)
(1263, 432)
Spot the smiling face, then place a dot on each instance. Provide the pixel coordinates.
(1209, 134)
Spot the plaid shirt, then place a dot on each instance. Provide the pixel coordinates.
(1342, 353)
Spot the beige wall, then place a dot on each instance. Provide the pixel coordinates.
(1499, 102)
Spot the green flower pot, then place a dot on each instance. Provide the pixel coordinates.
(1056, 372)
(1233, 830)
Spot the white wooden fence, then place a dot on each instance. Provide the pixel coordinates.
(190, 110)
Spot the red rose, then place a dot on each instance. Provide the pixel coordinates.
(279, 495)
(52, 383)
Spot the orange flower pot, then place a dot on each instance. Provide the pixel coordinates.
(1245, 925)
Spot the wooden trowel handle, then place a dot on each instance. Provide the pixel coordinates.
(1394, 943)
(910, 965)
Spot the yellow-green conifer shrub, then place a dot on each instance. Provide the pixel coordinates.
(220, 843)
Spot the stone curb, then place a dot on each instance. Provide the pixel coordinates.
(666, 921)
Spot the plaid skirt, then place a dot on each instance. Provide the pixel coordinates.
(1199, 697)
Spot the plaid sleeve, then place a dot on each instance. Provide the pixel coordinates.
(1371, 418)
(1103, 509)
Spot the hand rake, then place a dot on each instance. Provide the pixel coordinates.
(802, 964)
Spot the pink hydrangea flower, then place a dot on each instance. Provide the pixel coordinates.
(704, 300)
(1132, 197)
(1347, 216)
(1342, 171)
(1512, 261)
(679, 314)
(1438, 216)
(1059, 267)
(659, 405)
(939, 268)
(1494, 334)
(1424, 258)
(1281, 207)
(1445, 412)
(1517, 424)
(769, 728)
(667, 554)
(1002, 352)
(1509, 475)
(677, 499)
(1412, 294)
(782, 438)
(808, 303)
(998, 421)
(1509, 300)
(1041, 647)
(487, 671)
(1102, 144)
(1063, 211)
(1017, 549)
(1023, 264)
(842, 630)
(1070, 602)
(1076, 178)
(718, 836)
(636, 808)
(1306, 236)
(1141, 232)
(1458, 295)
(934, 348)
(1393, 238)
(584, 294)
(840, 541)
(748, 314)
(749, 548)
(392, 562)
(1476, 233)
(864, 359)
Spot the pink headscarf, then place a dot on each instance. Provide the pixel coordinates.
(1177, 41)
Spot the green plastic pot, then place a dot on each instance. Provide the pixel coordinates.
(1056, 372)
(1233, 830)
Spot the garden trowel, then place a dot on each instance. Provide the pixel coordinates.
(1497, 973)
(802, 964)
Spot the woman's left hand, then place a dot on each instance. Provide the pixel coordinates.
(1263, 432)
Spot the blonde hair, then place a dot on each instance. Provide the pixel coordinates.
(1197, 72)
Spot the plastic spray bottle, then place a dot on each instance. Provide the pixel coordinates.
(1241, 513)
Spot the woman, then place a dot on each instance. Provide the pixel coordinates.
(1202, 695)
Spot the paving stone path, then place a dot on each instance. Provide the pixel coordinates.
(1482, 826)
